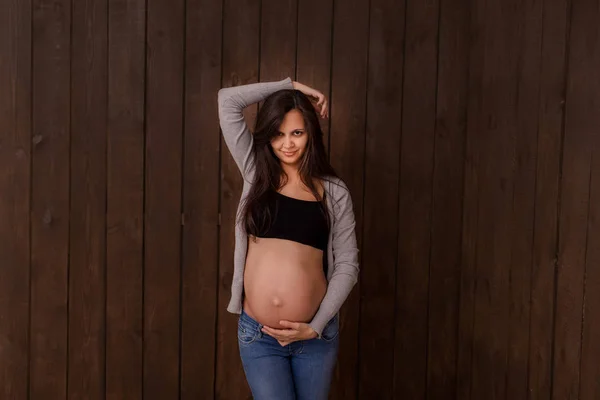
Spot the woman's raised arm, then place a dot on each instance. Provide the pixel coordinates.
(236, 133)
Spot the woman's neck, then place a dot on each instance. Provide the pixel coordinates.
(291, 172)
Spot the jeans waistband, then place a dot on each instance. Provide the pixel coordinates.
(249, 321)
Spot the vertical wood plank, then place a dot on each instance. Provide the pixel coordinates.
(313, 52)
(162, 224)
(415, 204)
(590, 350)
(278, 35)
(50, 198)
(471, 199)
(87, 231)
(240, 47)
(380, 235)
(125, 198)
(581, 96)
(200, 249)
(550, 114)
(448, 184)
(201, 199)
(490, 339)
(15, 191)
(346, 153)
(529, 23)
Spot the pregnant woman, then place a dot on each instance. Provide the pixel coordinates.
(295, 256)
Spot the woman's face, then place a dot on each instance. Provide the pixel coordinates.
(290, 144)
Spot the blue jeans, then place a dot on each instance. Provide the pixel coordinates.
(300, 370)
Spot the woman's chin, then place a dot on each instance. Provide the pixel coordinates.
(293, 163)
(293, 160)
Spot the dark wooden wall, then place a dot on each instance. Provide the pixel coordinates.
(468, 133)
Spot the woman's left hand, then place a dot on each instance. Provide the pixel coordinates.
(296, 331)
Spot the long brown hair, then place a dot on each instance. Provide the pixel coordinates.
(269, 176)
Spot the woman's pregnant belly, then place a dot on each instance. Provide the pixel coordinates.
(283, 280)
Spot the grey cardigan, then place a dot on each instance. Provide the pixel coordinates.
(342, 251)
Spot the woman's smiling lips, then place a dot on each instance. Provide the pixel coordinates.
(289, 154)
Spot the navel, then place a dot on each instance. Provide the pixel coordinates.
(277, 301)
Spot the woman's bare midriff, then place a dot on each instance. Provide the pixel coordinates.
(283, 280)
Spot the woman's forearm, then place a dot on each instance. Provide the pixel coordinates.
(245, 95)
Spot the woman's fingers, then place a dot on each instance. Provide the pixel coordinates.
(321, 99)
(290, 324)
(283, 334)
(296, 331)
(320, 102)
(324, 107)
(278, 332)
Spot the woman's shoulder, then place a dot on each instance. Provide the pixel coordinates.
(337, 189)
(334, 184)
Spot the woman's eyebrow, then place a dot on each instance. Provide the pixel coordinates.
(294, 130)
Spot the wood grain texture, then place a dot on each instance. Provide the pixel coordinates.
(125, 198)
(87, 229)
(497, 148)
(574, 207)
(346, 153)
(447, 211)
(471, 200)
(15, 195)
(278, 39)
(200, 199)
(585, 62)
(50, 171)
(549, 148)
(382, 174)
(589, 388)
(415, 204)
(529, 25)
(580, 132)
(162, 196)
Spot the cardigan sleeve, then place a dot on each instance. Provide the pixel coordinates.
(231, 103)
(345, 261)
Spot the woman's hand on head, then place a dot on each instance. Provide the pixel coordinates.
(294, 331)
(317, 98)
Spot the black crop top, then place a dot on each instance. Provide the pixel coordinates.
(301, 221)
